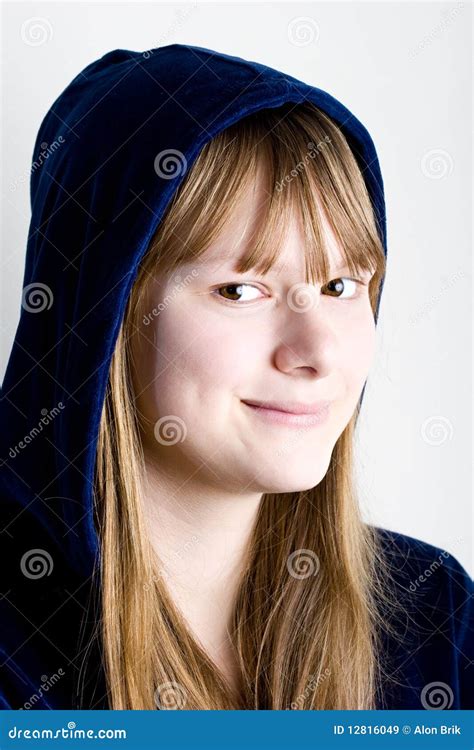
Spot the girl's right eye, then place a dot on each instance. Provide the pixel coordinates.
(235, 289)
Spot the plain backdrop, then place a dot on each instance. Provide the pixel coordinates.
(404, 69)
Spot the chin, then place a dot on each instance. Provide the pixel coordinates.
(302, 482)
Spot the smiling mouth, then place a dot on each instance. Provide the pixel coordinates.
(289, 419)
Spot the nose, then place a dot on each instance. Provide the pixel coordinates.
(307, 340)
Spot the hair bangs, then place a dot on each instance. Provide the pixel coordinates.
(301, 177)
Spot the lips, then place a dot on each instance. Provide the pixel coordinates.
(290, 407)
(302, 419)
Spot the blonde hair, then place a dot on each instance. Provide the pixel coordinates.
(306, 641)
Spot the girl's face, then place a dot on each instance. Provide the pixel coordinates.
(207, 346)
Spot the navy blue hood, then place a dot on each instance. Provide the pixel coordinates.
(96, 201)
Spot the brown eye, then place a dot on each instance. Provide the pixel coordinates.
(234, 292)
(337, 286)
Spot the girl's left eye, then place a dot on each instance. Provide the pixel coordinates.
(340, 285)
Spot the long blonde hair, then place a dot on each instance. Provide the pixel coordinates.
(302, 641)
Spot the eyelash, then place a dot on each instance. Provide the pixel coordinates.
(237, 284)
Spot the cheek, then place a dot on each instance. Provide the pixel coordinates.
(358, 353)
(190, 365)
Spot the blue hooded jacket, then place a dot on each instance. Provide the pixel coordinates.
(96, 201)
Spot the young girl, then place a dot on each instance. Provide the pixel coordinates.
(208, 243)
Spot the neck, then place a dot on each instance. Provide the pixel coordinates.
(200, 537)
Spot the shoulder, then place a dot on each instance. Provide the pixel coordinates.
(411, 555)
(430, 577)
(435, 623)
(420, 566)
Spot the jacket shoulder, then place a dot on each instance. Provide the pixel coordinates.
(433, 650)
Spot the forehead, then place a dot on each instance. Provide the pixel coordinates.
(225, 254)
(244, 223)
